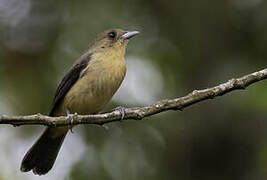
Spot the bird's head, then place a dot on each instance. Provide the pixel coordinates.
(112, 39)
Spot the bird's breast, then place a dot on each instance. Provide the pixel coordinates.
(96, 87)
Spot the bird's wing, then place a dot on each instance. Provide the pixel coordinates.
(69, 80)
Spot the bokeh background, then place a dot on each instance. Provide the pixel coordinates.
(183, 45)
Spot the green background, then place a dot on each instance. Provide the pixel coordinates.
(183, 45)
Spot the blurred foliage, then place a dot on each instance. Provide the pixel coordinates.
(191, 45)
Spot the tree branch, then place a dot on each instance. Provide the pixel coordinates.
(138, 113)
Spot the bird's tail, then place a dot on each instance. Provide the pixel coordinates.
(41, 156)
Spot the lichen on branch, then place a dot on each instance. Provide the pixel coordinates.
(138, 113)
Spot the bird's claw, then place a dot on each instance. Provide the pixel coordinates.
(71, 118)
(121, 110)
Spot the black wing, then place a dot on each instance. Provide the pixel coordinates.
(68, 81)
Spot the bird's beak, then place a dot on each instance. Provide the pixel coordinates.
(129, 34)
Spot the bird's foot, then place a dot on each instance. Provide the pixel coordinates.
(121, 110)
(71, 118)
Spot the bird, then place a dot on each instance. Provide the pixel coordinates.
(85, 89)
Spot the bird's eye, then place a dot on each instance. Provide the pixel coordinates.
(112, 35)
